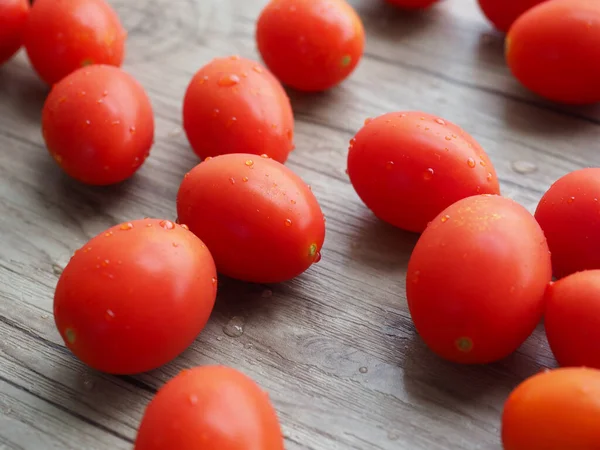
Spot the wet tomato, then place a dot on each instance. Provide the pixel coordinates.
(211, 407)
(554, 50)
(64, 35)
(476, 279)
(503, 13)
(554, 410)
(572, 319)
(98, 124)
(13, 16)
(135, 296)
(569, 214)
(260, 221)
(235, 105)
(412, 4)
(310, 45)
(408, 166)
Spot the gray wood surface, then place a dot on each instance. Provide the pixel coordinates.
(335, 347)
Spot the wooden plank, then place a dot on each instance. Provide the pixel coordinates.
(335, 347)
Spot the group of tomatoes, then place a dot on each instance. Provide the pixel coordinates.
(479, 278)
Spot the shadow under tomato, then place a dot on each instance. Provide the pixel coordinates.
(490, 49)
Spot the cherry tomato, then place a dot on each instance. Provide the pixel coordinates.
(235, 105)
(407, 167)
(310, 45)
(572, 319)
(135, 296)
(476, 279)
(569, 214)
(64, 35)
(261, 222)
(212, 407)
(554, 50)
(98, 124)
(503, 13)
(554, 410)
(412, 4)
(13, 16)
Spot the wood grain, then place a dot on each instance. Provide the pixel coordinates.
(335, 347)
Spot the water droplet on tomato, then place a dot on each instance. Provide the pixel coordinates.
(208, 158)
(185, 227)
(368, 120)
(109, 315)
(257, 69)
(232, 180)
(489, 176)
(228, 80)
(352, 142)
(264, 155)
(235, 57)
(445, 218)
(132, 129)
(428, 174)
(88, 122)
(245, 179)
(471, 162)
(570, 200)
(213, 281)
(448, 138)
(288, 222)
(249, 163)
(203, 80)
(167, 224)
(108, 234)
(193, 399)
(175, 244)
(235, 327)
(440, 121)
(389, 165)
(127, 226)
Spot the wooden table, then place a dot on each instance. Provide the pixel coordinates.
(335, 347)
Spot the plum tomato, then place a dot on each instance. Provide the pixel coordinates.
(310, 45)
(554, 410)
(413, 4)
(135, 296)
(569, 214)
(261, 222)
(98, 124)
(554, 50)
(572, 319)
(13, 17)
(408, 166)
(476, 279)
(235, 105)
(211, 407)
(64, 35)
(503, 13)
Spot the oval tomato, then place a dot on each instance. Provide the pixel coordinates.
(572, 319)
(569, 214)
(234, 105)
(310, 45)
(212, 407)
(64, 35)
(554, 410)
(135, 296)
(413, 4)
(13, 16)
(476, 279)
(554, 50)
(503, 13)
(98, 125)
(407, 167)
(261, 222)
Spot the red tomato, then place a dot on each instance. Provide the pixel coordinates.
(261, 222)
(210, 407)
(64, 35)
(13, 16)
(572, 319)
(476, 279)
(98, 125)
(310, 45)
(407, 167)
(502, 13)
(554, 50)
(413, 4)
(135, 296)
(554, 410)
(234, 105)
(569, 214)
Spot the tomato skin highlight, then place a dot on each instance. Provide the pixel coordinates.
(413, 4)
(235, 105)
(211, 407)
(503, 13)
(554, 410)
(408, 166)
(569, 214)
(572, 319)
(260, 221)
(64, 35)
(476, 279)
(98, 125)
(554, 50)
(136, 296)
(310, 45)
(13, 17)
